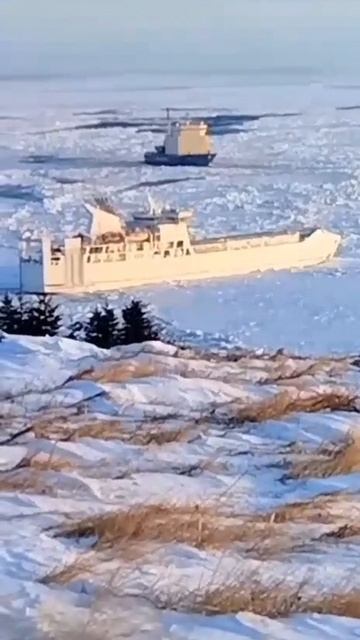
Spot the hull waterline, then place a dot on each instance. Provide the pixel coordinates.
(155, 159)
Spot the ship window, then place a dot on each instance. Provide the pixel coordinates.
(180, 244)
(187, 252)
(166, 254)
(96, 250)
(139, 246)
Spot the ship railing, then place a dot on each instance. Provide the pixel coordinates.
(242, 241)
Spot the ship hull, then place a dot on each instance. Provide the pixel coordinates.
(316, 248)
(167, 160)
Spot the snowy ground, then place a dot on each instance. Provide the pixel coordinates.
(63, 140)
(229, 441)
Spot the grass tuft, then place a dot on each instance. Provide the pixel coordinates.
(26, 481)
(330, 461)
(120, 372)
(278, 600)
(284, 403)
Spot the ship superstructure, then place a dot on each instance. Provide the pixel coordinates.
(186, 143)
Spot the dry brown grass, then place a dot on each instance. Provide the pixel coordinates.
(49, 463)
(120, 372)
(235, 597)
(273, 601)
(134, 541)
(276, 601)
(89, 567)
(26, 481)
(75, 428)
(100, 429)
(158, 523)
(70, 428)
(329, 461)
(342, 533)
(324, 509)
(144, 435)
(286, 367)
(200, 527)
(284, 403)
(339, 604)
(82, 566)
(283, 372)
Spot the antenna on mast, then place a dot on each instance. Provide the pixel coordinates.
(154, 206)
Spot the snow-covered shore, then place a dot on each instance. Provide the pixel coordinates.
(227, 439)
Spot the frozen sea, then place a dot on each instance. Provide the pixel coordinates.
(295, 161)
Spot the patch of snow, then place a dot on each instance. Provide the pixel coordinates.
(41, 364)
(10, 457)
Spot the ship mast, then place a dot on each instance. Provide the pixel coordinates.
(168, 118)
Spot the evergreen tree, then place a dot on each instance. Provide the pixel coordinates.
(102, 328)
(11, 319)
(137, 325)
(76, 331)
(42, 318)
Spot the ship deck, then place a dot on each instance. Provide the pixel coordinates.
(303, 234)
(235, 241)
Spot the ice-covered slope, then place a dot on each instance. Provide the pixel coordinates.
(183, 493)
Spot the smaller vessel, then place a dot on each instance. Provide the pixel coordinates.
(158, 211)
(158, 246)
(186, 144)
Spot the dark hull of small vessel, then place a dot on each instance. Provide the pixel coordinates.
(162, 159)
